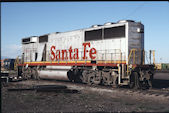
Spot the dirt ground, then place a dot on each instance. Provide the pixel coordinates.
(87, 99)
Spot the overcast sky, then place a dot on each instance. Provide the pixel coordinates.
(24, 19)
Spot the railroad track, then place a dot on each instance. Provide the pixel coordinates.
(150, 92)
(155, 92)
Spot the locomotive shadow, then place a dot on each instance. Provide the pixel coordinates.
(159, 83)
(56, 80)
(161, 79)
(57, 88)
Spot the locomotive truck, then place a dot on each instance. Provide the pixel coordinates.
(109, 54)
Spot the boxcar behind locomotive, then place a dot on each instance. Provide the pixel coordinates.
(109, 54)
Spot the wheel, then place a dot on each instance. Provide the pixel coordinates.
(115, 81)
(70, 75)
(94, 78)
(134, 81)
(90, 80)
(26, 73)
(35, 74)
(147, 83)
(150, 81)
(107, 78)
(77, 76)
(85, 75)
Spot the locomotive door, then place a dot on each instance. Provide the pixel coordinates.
(33, 53)
(40, 51)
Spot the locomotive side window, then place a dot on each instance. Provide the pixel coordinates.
(26, 40)
(93, 35)
(43, 38)
(114, 32)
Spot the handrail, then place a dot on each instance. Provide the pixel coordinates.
(134, 52)
(101, 55)
(16, 63)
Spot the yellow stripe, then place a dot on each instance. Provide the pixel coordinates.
(119, 61)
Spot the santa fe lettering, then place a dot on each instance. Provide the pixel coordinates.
(73, 53)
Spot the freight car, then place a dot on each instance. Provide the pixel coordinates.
(8, 64)
(109, 54)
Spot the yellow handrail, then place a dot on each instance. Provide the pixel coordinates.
(153, 56)
(134, 52)
(16, 63)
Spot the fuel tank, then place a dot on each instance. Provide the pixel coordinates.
(55, 72)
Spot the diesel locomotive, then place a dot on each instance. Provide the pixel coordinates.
(109, 54)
